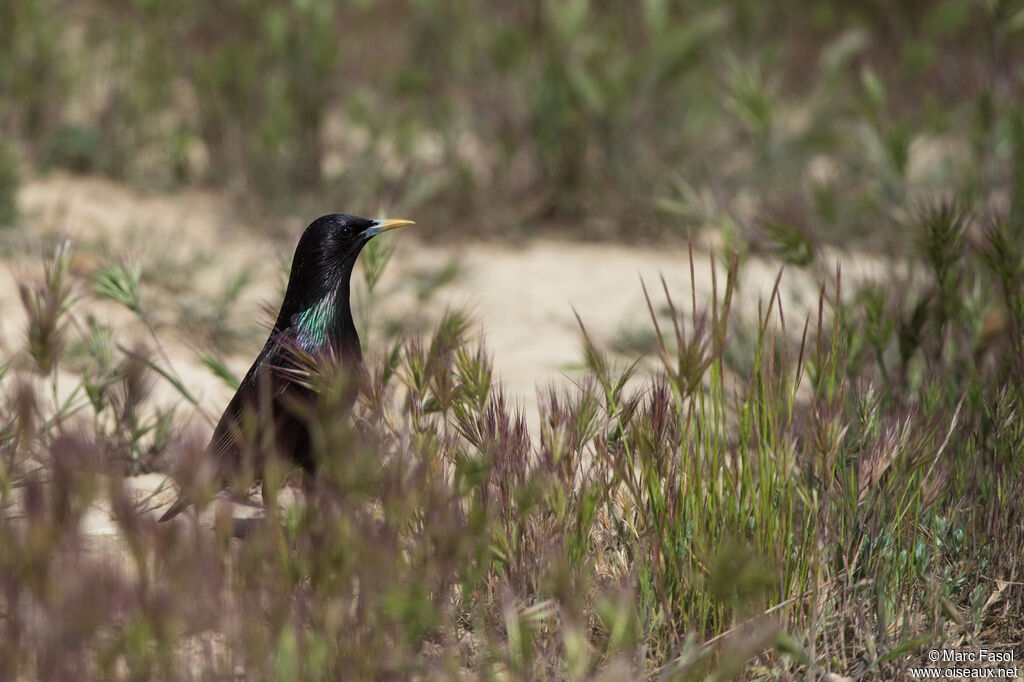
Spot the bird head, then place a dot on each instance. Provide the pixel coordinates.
(325, 256)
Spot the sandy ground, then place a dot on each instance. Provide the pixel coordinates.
(521, 298)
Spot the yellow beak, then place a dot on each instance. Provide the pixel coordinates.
(385, 225)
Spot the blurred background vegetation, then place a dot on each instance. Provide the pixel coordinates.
(783, 124)
(823, 500)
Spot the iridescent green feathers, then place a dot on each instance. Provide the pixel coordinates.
(312, 327)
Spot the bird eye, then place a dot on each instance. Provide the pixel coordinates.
(346, 232)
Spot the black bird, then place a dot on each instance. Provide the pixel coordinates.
(315, 318)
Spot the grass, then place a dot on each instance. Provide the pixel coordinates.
(757, 497)
(837, 496)
(642, 120)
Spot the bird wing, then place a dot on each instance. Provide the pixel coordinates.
(224, 448)
(281, 363)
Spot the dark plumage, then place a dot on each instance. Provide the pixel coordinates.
(315, 318)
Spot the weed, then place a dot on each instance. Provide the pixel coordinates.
(677, 523)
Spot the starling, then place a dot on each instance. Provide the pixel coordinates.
(315, 319)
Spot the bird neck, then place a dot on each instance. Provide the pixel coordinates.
(327, 322)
